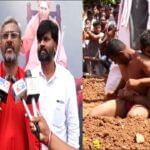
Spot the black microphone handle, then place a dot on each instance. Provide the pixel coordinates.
(37, 132)
(28, 73)
(3, 96)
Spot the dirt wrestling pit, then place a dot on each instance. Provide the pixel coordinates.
(108, 132)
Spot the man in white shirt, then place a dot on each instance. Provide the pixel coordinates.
(57, 101)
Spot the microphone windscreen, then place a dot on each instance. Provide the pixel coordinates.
(7, 77)
(11, 78)
(28, 73)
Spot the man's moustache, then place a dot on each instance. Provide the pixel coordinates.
(9, 46)
(42, 50)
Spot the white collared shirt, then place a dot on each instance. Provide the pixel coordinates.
(58, 104)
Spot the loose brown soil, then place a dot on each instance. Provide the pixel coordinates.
(108, 132)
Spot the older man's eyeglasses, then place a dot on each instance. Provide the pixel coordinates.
(13, 35)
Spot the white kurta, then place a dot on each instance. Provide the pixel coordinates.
(58, 104)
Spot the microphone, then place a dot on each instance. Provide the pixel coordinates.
(32, 87)
(4, 88)
(19, 88)
(10, 78)
(32, 96)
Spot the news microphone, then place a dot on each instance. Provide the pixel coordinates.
(19, 88)
(32, 96)
(4, 88)
(32, 90)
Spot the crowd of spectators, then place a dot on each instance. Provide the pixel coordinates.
(99, 26)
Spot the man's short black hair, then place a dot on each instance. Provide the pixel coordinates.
(96, 5)
(114, 47)
(96, 23)
(89, 13)
(45, 27)
(145, 39)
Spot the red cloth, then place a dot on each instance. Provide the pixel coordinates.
(15, 133)
(129, 105)
(78, 82)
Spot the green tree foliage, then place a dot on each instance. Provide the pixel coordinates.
(107, 2)
(101, 2)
